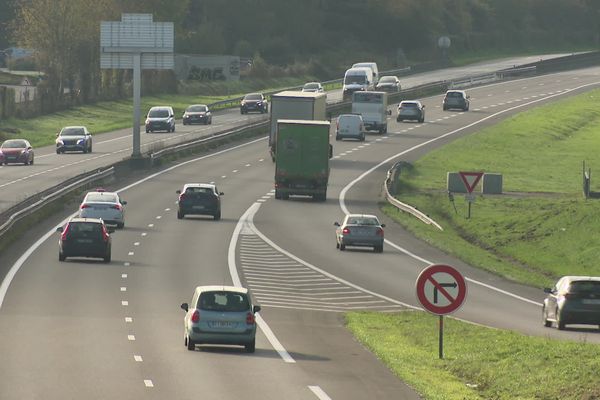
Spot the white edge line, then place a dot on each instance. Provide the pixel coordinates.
(237, 282)
(321, 395)
(342, 195)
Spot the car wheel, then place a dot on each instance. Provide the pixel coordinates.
(285, 196)
(217, 216)
(173, 129)
(250, 347)
(147, 130)
(85, 150)
(191, 346)
(337, 138)
(61, 257)
(560, 324)
(107, 258)
(342, 247)
(547, 323)
(444, 108)
(362, 137)
(210, 122)
(57, 151)
(277, 194)
(31, 163)
(378, 249)
(121, 225)
(180, 215)
(90, 149)
(422, 120)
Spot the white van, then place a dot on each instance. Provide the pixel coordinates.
(373, 66)
(357, 79)
(373, 108)
(350, 126)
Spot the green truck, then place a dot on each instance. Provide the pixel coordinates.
(302, 159)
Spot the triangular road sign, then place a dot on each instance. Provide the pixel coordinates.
(470, 179)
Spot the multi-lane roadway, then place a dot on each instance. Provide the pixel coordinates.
(86, 329)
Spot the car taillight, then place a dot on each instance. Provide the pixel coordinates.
(346, 231)
(181, 197)
(64, 233)
(84, 206)
(379, 232)
(117, 207)
(337, 125)
(196, 316)
(104, 234)
(250, 319)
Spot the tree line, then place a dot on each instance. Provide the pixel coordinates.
(328, 35)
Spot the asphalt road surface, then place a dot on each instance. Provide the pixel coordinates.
(84, 329)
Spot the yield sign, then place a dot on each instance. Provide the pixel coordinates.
(441, 289)
(470, 179)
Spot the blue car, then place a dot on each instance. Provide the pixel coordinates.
(74, 138)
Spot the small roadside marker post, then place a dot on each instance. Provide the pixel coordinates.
(441, 290)
(470, 179)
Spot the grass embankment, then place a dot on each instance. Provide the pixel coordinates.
(479, 363)
(541, 227)
(112, 115)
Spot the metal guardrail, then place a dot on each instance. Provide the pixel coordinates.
(22, 210)
(402, 206)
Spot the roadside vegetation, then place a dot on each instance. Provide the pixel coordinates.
(541, 227)
(479, 363)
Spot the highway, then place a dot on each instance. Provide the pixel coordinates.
(86, 329)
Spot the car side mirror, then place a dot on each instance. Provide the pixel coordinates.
(389, 112)
(185, 307)
(423, 106)
(57, 134)
(336, 224)
(256, 309)
(171, 115)
(123, 202)
(383, 225)
(178, 191)
(59, 229)
(110, 229)
(547, 290)
(29, 148)
(221, 193)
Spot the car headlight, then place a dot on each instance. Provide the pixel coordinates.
(80, 141)
(59, 142)
(147, 121)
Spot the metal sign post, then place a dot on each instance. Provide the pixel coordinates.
(136, 43)
(441, 289)
(470, 179)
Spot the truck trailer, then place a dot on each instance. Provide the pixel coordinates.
(302, 159)
(288, 104)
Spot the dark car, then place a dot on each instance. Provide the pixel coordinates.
(197, 113)
(74, 138)
(16, 151)
(161, 118)
(199, 199)
(84, 237)
(456, 99)
(388, 84)
(411, 110)
(573, 300)
(254, 102)
(359, 230)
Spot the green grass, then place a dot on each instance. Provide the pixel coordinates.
(479, 363)
(112, 115)
(542, 227)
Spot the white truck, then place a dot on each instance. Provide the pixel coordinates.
(294, 105)
(357, 79)
(373, 108)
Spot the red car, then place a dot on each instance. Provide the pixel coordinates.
(16, 151)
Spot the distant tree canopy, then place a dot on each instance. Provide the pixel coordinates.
(331, 33)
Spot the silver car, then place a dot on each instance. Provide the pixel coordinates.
(359, 230)
(104, 205)
(220, 315)
(411, 110)
(313, 87)
(573, 300)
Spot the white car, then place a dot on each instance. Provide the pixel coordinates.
(104, 205)
(313, 87)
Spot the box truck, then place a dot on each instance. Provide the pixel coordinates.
(302, 159)
(373, 108)
(295, 105)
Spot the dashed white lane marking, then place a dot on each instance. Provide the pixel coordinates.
(212, 182)
(158, 216)
(128, 320)
(126, 264)
(137, 358)
(234, 171)
(524, 87)
(144, 233)
(130, 253)
(167, 209)
(150, 225)
(507, 91)
(321, 395)
(477, 109)
(490, 95)
(136, 244)
(349, 151)
(540, 84)
(336, 156)
(367, 144)
(124, 303)
(223, 176)
(378, 140)
(261, 160)
(148, 383)
(131, 337)
(247, 165)
(266, 197)
(123, 289)
(124, 276)
(261, 200)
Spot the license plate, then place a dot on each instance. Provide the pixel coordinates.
(591, 301)
(198, 207)
(84, 240)
(223, 324)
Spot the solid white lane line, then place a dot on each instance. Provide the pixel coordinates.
(275, 343)
(321, 395)
(131, 338)
(128, 320)
(342, 196)
(124, 303)
(138, 358)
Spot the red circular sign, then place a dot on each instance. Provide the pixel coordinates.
(441, 289)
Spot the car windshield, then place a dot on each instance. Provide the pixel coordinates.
(311, 86)
(223, 301)
(353, 79)
(349, 118)
(454, 94)
(387, 79)
(101, 197)
(72, 132)
(14, 144)
(197, 109)
(159, 113)
(408, 105)
(204, 190)
(253, 97)
(585, 287)
(84, 227)
(363, 221)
